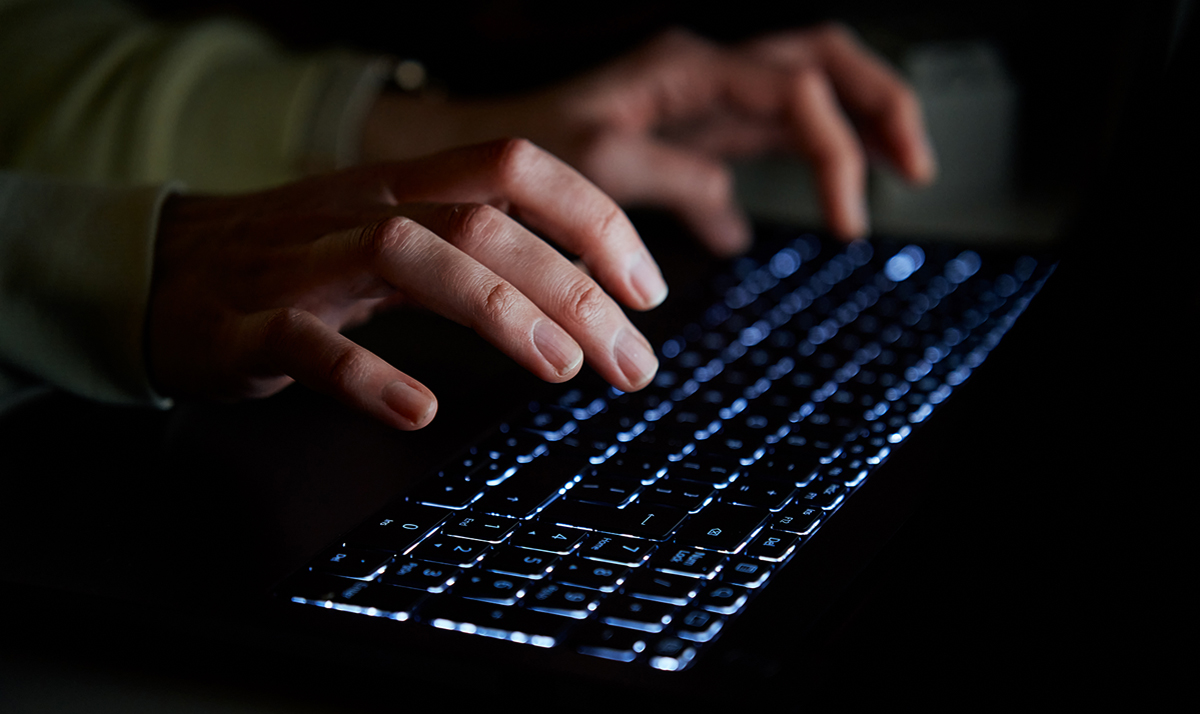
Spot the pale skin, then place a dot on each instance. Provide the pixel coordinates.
(252, 292)
(658, 126)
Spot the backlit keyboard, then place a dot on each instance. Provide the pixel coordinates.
(635, 527)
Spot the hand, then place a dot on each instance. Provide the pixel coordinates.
(251, 292)
(656, 126)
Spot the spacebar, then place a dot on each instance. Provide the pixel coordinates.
(640, 520)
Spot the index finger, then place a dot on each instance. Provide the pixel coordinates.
(887, 108)
(550, 197)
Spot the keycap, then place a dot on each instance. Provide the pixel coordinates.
(640, 520)
(698, 625)
(530, 487)
(691, 562)
(593, 575)
(421, 575)
(506, 623)
(397, 528)
(561, 599)
(662, 587)
(722, 527)
(451, 551)
(490, 587)
(479, 526)
(635, 614)
(320, 588)
(678, 493)
(798, 518)
(548, 537)
(772, 545)
(746, 572)
(522, 562)
(722, 598)
(609, 642)
(351, 562)
(616, 549)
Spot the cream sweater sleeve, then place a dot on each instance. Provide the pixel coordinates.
(95, 99)
(91, 90)
(75, 270)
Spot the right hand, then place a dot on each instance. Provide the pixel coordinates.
(251, 292)
(659, 126)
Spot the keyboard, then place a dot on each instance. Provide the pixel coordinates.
(636, 527)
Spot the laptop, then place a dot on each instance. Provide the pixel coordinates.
(235, 543)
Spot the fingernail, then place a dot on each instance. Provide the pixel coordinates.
(409, 402)
(635, 358)
(557, 347)
(648, 281)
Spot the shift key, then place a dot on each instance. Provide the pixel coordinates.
(640, 520)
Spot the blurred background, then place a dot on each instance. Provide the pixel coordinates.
(1019, 96)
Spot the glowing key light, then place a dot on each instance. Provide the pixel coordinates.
(903, 264)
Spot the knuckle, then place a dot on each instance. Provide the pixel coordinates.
(500, 303)
(611, 222)
(470, 224)
(510, 158)
(585, 303)
(280, 327)
(281, 324)
(345, 368)
(385, 238)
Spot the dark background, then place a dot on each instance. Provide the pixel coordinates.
(1045, 558)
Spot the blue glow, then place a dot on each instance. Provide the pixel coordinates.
(964, 266)
(754, 334)
(760, 281)
(738, 297)
(734, 409)
(860, 252)
(616, 655)
(857, 479)
(630, 435)
(784, 263)
(780, 368)
(903, 264)
(879, 457)
(921, 414)
(1025, 267)
(756, 389)
(1006, 285)
(672, 348)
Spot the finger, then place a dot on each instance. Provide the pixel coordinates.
(826, 138)
(638, 170)
(885, 106)
(443, 278)
(299, 345)
(610, 343)
(552, 198)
